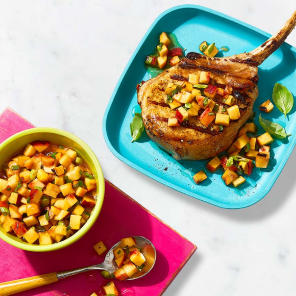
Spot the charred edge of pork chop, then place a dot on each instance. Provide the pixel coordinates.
(194, 141)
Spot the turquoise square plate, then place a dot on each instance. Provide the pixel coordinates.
(193, 24)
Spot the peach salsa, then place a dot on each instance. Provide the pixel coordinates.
(131, 261)
(47, 193)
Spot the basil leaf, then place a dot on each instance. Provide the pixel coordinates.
(169, 99)
(176, 90)
(282, 98)
(67, 179)
(88, 175)
(53, 154)
(79, 184)
(38, 188)
(137, 127)
(15, 167)
(273, 128)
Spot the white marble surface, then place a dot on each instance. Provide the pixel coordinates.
(56, 70)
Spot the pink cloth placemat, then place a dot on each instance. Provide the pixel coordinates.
(121, 216)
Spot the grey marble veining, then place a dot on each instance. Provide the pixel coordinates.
(59, 63)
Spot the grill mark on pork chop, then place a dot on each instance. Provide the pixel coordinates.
(189, 126)
(240, 96)
(185, 65)
(179, 77)
(194, 56)
(248, 61)
(162, 104)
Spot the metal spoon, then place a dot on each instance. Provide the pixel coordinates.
(13, 287)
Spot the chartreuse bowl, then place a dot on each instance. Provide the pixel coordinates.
(17, 142)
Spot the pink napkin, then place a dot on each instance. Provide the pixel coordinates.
(120, 217)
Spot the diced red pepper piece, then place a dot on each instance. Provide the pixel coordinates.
(205, 118)
(176, 52)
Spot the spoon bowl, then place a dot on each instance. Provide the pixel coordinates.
(109, 262)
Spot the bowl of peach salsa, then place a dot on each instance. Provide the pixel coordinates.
(51, 189)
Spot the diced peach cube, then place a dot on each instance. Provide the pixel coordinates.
(214, 164)
(100, 248)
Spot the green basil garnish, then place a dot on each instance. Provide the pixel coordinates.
(79, 184)
(282, 98)
(137, 127)
(61, 147)
(273, 128)
(216, 108)
(88, 175)
(169, 99)
(15, 167)
(28, 199)
(38, 188)
(53, 154)
(86, 213)
(221, 127)
(67, 179)
(176, 90)
(68, 228)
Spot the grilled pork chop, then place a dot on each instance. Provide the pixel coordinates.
(194, 141)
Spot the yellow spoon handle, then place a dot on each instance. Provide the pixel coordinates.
(13, 287)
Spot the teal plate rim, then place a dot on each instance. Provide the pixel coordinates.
(292, 140)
